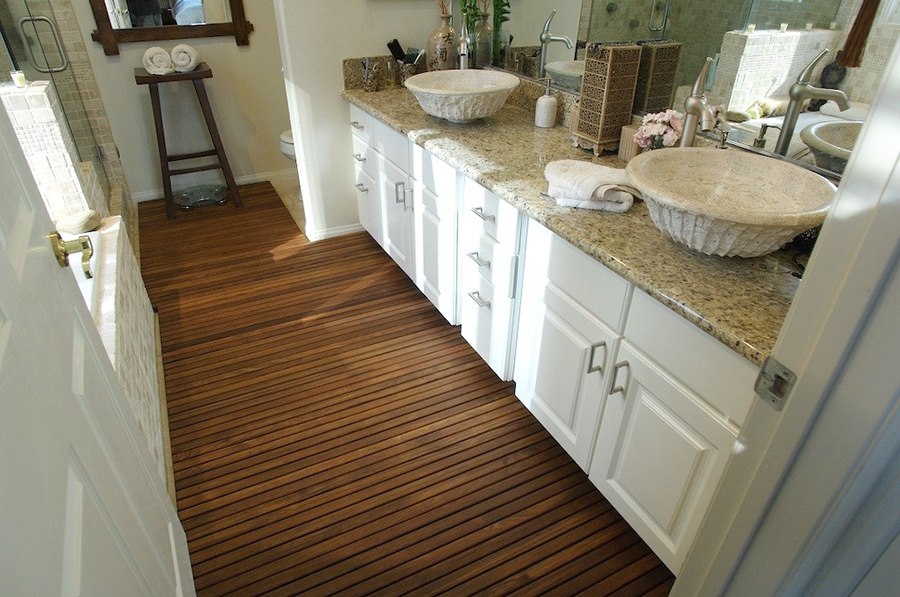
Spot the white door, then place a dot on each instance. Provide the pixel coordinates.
(397, 203)
(83, 510)
(660, 453)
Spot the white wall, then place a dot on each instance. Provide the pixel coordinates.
(315, 37)
(246, 93)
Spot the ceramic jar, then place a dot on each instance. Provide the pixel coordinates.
(441, 50)
(484, 41)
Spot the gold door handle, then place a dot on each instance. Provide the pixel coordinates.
(63, 248)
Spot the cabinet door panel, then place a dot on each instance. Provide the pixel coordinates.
(659, 456)
(396, 204)
(486, 319)
(436, 251)
(368, 202)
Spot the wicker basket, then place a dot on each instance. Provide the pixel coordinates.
(607, 94)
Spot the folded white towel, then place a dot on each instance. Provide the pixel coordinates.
(857, 111)
(575, 183)
(157, 61)
(185, 58)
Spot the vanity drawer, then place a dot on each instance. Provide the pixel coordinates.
(486, 318)
(493, 261)
(434, 174)
(365, 157)
(391, 144)
(486, 212)
(361, 124)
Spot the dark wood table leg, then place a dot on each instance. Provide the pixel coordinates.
(163, 154)
(217, 141)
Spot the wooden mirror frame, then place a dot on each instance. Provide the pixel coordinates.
(110, 38)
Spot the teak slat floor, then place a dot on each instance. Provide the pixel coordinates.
(332, 434)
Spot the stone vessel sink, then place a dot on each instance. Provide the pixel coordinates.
(566, 73)
(728, 202)
(832, 142)
(462, 95)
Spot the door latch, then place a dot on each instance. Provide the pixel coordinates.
(774, 383)
(63, 248)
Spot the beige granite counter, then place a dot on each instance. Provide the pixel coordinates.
(741, 302)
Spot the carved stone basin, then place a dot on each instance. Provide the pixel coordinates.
(728, 202)
(462, 95)
(566, 73)
(832, 142)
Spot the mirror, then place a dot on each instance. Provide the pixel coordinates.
(701, 29)
(123, 21)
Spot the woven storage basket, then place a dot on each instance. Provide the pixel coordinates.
(607, 94)
(656, 78)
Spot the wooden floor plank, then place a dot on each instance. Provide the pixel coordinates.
(332, 434)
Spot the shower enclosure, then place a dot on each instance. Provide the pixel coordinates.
(37, 36)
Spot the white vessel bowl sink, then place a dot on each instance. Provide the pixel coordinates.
(566, 73)
(728, 202)
(832, 142)
(462, 95)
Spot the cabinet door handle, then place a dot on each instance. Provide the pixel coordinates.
(355, 124)
(594, 368)
(362, 188)
(479, 211)
(474, 256)
(476, 296)
(400, 193)
(616, 389)
(358, 157)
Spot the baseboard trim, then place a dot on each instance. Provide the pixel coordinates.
(154, 194)
(316, 235)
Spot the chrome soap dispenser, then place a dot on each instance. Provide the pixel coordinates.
(545, 110)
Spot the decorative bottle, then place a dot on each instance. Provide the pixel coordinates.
(441, 50)
(545, 110)
(484, 41)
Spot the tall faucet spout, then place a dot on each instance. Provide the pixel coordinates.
(697, 109)
(546, 38)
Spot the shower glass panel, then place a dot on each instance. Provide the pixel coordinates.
(35, 36)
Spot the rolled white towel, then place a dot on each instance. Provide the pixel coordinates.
(575, 183)
(185, 58)
(157, 61)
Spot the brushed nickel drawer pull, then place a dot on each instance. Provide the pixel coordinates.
(400, 193)
(594, 368)
(476, 296)
(479, 211)
(622, 388)
(355, 124)
(362, 188)
(358, 157)
(474, 256)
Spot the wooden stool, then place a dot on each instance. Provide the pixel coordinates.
(142, 77)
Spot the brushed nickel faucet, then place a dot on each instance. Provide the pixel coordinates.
(546, 38)
(697, 110)
(801, 91)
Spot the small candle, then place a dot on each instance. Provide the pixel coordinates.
(18, 77)
(783, 27)
(809, 26)
(751, 28)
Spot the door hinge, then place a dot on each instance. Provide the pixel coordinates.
(774, 383)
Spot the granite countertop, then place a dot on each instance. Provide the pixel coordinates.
(741, 302)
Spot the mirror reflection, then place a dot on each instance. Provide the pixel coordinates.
(760, 48)
(127, 14)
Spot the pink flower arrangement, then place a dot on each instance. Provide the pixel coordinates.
(662, 129)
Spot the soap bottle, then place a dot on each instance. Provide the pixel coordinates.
(545, 110)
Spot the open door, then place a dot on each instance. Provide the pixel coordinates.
(83, 510)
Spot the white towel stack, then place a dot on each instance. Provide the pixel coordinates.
(157, 61)
(185, 58)
(585, 185)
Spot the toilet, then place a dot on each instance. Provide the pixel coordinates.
(287, 145)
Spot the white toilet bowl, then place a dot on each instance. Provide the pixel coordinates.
(287, 145)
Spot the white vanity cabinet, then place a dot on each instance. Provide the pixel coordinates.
(491, 233)
(669, 424)
(384, 188)
(435, 194)
(572, 318)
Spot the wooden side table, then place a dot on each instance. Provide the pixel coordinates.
(196, 76)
